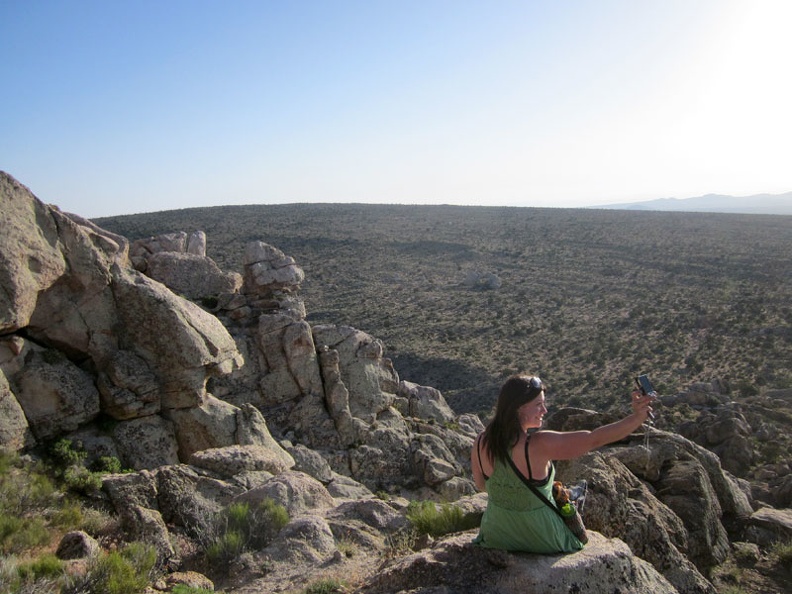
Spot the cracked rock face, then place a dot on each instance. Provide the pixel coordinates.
(267, 270)
(84, 333)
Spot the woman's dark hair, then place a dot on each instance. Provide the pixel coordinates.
(504, 429)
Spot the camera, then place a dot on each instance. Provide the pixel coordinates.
(645, 385)
(647, 389)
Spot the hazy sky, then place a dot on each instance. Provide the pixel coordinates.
(126, 106)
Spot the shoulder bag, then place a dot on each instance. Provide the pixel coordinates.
(568, 512)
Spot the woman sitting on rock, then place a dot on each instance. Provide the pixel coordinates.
(515, 518)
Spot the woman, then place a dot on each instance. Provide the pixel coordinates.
(515, 518)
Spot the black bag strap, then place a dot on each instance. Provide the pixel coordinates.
(527, 459)
(528, 482)
(478, 451)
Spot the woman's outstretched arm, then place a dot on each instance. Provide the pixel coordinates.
(566, 445)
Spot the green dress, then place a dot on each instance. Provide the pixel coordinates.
(516, 520)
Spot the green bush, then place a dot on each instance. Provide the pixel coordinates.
(229, 545)
(429, 518)
(128, 571)
(81, 480)
(782, 551)
(69, 465)
(116, 575)
(64, 454)
(46, 566)
(265, 521)
(68, 516)
(239, 528)
(142, 556)
(32, 510)
(7, 461)
(400, 543)
(97, 522)
(237, 517)
(326, 586)
(108, 464)
(22, 493)
(18, 534)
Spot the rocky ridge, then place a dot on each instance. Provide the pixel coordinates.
(218, 391)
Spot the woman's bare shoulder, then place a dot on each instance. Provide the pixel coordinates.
(541, 435)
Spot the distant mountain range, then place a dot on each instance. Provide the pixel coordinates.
(775, 204)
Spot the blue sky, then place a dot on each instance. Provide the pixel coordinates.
(122, 106)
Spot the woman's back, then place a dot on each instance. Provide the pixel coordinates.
(516, 520)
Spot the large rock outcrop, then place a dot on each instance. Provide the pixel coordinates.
(185, 499)
(84, 334)
(333, 389)
(15, 432)
(91, 327)
(603, 567)
(666, 497)
(179, 261)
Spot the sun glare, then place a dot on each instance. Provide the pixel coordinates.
(746, 96)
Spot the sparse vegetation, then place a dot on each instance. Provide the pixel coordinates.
(20, 534)
(127, 571)
(65, 455)
(588, 298)
(400, 543)
(47, 566)
(782, 553)
(326, 586)
(428, 517)
(24, 496)
(242, 527)
(109, 464)
(347, 547)
(34, 513)
(69, 465)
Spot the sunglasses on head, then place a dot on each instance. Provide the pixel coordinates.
(535, 383)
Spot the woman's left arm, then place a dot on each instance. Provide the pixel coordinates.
(475, 467)
(566, 445)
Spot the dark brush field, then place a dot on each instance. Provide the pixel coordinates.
(587, 298)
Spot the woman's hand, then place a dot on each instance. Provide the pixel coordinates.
(642, 405)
